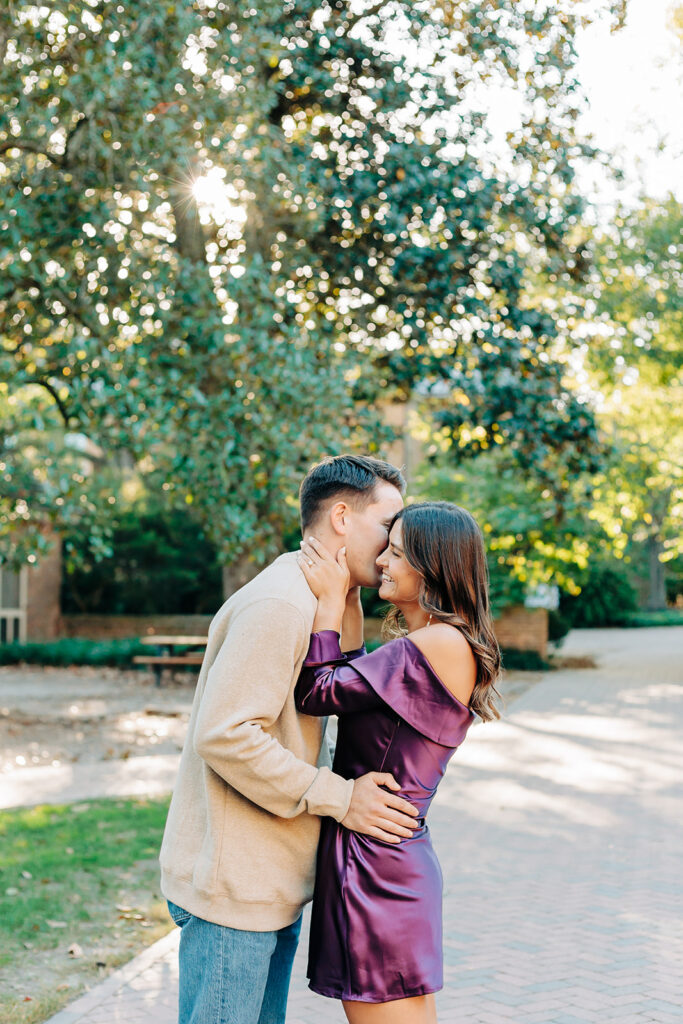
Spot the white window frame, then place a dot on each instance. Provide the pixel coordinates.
(13, 615)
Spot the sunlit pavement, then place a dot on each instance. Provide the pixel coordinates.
(151, 775)
(560, 832)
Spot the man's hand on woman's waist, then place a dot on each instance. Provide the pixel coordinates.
(379, 814)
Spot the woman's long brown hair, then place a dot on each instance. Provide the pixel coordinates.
(444, 544)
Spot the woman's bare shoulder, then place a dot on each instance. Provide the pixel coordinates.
(450, 655)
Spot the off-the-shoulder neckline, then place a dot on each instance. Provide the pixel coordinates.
(435, 673)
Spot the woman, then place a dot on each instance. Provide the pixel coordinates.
(405, 708)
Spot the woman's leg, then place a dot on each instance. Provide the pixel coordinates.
(418, 1010)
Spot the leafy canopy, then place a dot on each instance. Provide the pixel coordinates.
(226, 230)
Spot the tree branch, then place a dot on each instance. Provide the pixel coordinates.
(30, 147)
(82, 120)
(52, 391)
(369, 12)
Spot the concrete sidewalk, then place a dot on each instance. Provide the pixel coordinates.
(150, 775)
(559, 831)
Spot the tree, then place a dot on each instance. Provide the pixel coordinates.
(530, 540)
(636, 357)
(236, 226)
(42, 476)
(159, 564)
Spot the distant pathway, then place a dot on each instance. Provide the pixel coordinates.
(150, 775)
(560, 832)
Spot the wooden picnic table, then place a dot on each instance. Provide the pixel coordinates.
(167, 655)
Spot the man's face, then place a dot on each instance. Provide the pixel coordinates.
(367, 532)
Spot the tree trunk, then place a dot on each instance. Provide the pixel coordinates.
(237, 574)
(656, 598)
(190, 241)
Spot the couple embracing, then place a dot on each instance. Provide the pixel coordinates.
(256, 796)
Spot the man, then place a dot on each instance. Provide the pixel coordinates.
(238, 856)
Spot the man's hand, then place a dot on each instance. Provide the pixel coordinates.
(379, 814)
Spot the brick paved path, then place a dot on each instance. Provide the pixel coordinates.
(560, 833)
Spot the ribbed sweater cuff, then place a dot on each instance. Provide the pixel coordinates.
(329, 795)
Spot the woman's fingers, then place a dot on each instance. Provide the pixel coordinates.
(305, 565)
(318, 549)
(309, 553)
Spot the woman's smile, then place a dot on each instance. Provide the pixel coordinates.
(398, 576)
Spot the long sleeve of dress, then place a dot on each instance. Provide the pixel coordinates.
(328, 683)
(396, 675)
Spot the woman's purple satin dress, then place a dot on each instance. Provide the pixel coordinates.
(376, 925)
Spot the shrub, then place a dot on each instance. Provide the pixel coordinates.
(523, 661)
(73, 651)
(674, 580)
(666, 617)
(558, 624)
(606, 599)
(161, 564)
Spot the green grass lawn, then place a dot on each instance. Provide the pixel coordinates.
(79, 895)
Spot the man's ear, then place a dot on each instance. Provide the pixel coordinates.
(338, 517)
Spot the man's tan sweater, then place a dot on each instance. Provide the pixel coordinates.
(242, 830)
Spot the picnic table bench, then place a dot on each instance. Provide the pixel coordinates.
(167, 655)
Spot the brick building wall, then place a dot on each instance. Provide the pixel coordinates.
(525, 629)
(108, 627)
(44, 581)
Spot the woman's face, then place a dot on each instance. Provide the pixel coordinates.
(400, 582)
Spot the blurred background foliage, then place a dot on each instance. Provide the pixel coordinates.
(232, 237)
(158, 563)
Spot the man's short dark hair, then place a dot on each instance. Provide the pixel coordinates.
(351, 478)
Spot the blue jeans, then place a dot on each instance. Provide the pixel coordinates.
(229, 976)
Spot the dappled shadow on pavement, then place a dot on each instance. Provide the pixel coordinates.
(559, 831)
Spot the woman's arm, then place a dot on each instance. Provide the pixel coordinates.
(328, 684)
(328, 577)
(352, 623)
